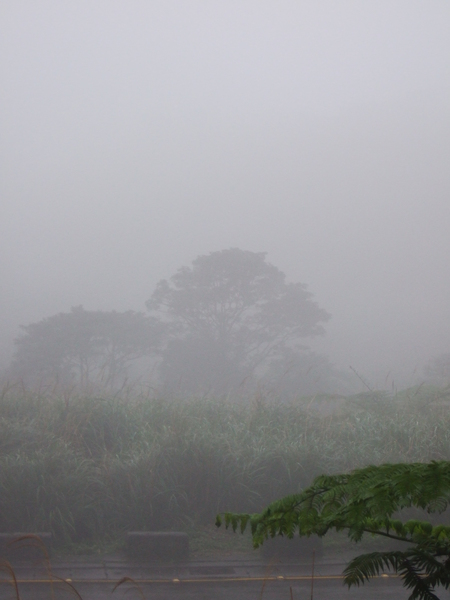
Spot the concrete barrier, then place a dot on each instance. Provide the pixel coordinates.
(25, 546)
(157, 545)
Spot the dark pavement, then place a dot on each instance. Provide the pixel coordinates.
(202, 580)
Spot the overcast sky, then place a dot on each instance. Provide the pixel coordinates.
(138, 134)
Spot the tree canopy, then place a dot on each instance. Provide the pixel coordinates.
(438, 369)
(227, 315)
(299, 371)
(226, 323)
(365, 501)
(84, 346)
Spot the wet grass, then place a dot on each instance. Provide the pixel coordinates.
(89, 469)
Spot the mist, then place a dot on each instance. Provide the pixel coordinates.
(137, 136)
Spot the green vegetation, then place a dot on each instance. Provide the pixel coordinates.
(89, 469)
(370, 500)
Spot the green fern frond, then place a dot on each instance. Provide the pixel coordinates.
(365, 566)
(365, 501)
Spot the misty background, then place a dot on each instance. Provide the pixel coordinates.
(136, 136)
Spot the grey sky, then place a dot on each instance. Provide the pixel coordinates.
(136, 135)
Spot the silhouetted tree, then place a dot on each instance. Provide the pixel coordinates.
(84, 346)
(299, 372)
(227, 315)
(438, 369)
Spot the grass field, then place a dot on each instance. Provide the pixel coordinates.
(89, 469)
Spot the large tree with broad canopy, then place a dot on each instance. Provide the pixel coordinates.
(227, 315)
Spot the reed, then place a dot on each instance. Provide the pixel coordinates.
(90, 468)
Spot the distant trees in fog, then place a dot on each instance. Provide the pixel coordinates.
(228, 316)
(297, 371)
(223, 324)
(84, 347)
(438, 369)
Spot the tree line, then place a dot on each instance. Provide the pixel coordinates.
(214, 327)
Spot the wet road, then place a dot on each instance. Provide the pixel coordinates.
(226, 580)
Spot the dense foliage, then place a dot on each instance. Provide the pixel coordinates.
(369, 500)
(215, 329)
(230, 314)
(87, 468)
(81, 347)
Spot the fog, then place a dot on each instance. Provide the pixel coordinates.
(138, 135)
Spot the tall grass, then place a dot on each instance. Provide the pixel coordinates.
(90, 468)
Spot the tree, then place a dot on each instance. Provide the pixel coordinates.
(84, 346)
(227, 315)
(438, 369)
(366, 501)
(297, 372)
